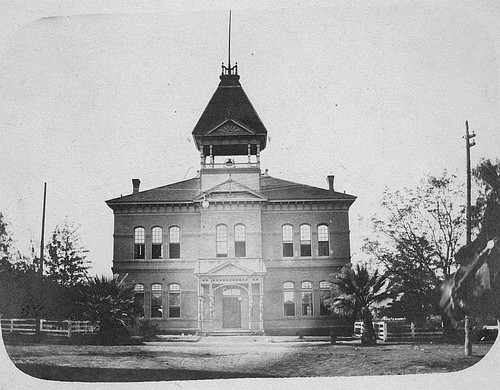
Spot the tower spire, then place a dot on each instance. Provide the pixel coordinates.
(229, 70)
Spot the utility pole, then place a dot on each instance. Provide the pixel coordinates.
(42, 244)
(468, 320)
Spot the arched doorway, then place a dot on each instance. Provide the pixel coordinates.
(231, 308)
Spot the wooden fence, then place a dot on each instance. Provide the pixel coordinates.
(388, 331)
(56, 328)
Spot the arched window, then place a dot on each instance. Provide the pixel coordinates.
(157, 243)
(174, 238)
(221, 238)
(288, 299)
(174, 300)
(287, 238)
(325, 292)
(139, 298)
(139, 246)
(305, 240)
(323, 241)
(307, 299)
(240, 249)
(156, 301)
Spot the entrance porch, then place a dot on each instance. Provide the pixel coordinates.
(230, 296)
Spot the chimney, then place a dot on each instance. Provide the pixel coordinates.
(135, 185)
(330, 182)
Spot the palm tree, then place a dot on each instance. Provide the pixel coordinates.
(359, 291)
(109, 303)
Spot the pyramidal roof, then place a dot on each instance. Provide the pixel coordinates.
(229, 102)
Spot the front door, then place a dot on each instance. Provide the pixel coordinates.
(231, 312)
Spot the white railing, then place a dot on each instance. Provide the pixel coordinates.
(57, 328)
(398, 331)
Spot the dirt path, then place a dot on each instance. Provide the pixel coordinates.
(226, 357)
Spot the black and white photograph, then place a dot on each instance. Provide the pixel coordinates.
(249, 194)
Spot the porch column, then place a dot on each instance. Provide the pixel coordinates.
(250, 305)
(211, 156)
(261, 307)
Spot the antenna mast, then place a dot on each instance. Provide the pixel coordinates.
(229, 46)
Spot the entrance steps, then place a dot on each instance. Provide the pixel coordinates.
(234, 332)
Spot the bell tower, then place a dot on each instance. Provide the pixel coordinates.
(229, 134)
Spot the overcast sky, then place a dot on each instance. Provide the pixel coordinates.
(93, 95)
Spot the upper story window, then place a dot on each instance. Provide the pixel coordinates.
(323, 241)
(240, 241)
(174, 300)
(139, 243)
(174, 235)
(221, 240)
(156, 301)
(157, 243)
(307, 299)
(287, 237)
(288, 299)
(305, 240)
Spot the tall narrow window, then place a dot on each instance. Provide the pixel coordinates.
(139, 298)
(307, 301)
(157, 243)
(221, 238)
(174, 234)
(287, 241)
(305, 240)
(156, 301)
(174, 300)
(325, 293)
(139, 246)
(288, 299)
(323, 243)
(240, 249)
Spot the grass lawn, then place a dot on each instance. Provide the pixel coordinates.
(236, 357)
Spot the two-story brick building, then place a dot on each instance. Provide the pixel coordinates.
(233, 249)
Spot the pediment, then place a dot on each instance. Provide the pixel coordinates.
(230, 127)
(229, 269)
(231, 189)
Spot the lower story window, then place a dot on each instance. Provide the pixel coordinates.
(139, 299)
(307, 299)
(174, 301)
(156, 301)
(288, 299)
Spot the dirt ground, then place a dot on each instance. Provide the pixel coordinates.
(236, 357)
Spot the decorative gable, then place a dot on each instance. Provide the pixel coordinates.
(230, 127)
(229, 269)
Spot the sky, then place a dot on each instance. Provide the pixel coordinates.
(95, 94)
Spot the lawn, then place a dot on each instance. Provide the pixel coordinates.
(236, 357)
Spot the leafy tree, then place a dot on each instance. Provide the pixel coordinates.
(67, 262)
(359, 292)
(109, 303)
(416, 241)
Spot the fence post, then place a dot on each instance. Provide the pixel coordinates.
(69, 328)
(412, 326)
(384, 331)
(41, 325)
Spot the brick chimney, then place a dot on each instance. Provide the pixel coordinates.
(330, 179)
(135, 185)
